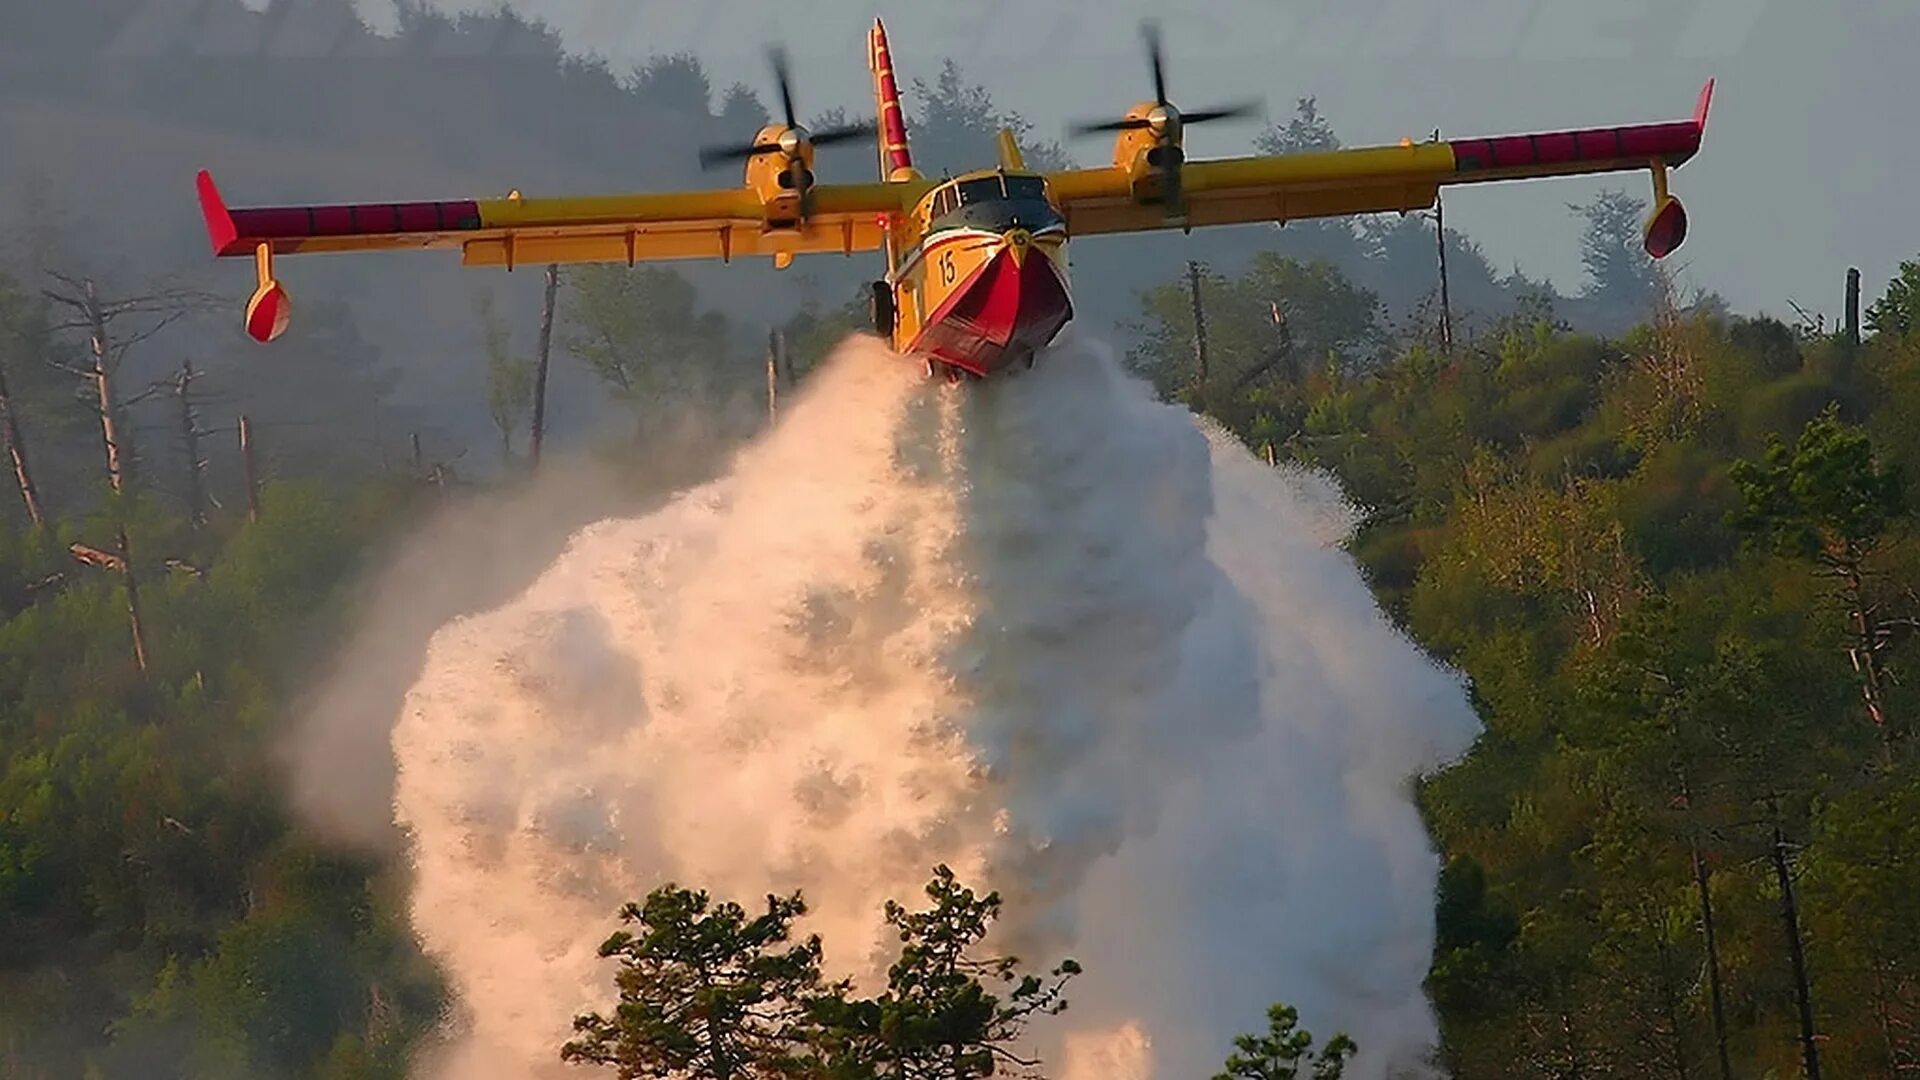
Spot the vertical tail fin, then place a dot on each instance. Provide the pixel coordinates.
(896, 161)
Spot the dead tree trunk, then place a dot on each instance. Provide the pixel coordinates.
(1708, 933)
(1718, 995)
(1853, 307)
(132, 580)
(1199, 325)
(17, 454)
(190, 438)
(102, 375)
(541, 361)
(248, 470)
(773, 377)
(1796, 951)
(95, 318)
(1446, 294)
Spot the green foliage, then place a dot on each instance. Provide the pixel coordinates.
(509, 378)
(677, 83)
(642, 332)
(159, 915)
(705, 994)
(1305, 132)
(938, 1018)
(1283, 1049)
(1619, 269)
(1567, 519)
(1897, 312)
(957, 127)
(1824, 497)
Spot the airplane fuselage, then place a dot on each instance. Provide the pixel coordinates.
(986, 285)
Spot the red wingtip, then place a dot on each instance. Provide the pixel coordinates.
(1706, 103)
(221, 231)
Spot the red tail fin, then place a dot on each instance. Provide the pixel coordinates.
(894, 155)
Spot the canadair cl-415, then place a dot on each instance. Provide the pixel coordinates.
(976, 273)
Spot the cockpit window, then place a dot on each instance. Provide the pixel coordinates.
(985, 189)
(1026, 187)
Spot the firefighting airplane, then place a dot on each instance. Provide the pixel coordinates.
(976, 277)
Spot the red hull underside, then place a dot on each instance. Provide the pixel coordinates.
(1007, 312)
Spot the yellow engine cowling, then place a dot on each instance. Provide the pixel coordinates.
(770, 175)
(1144, 155)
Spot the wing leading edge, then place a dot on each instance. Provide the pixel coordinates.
(505, 232)
(1373, 179)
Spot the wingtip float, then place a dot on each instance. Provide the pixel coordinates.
(976, 272)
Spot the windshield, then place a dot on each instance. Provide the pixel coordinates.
(986, 189)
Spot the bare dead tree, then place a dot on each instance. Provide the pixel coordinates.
(1853, 307)
(190, 437)
(1446, 289)
(96, 318)
(17, 453)
(773, 376)
(1280, 357)
(251, 476)
(1199, 325)
(1796, 948)
(119, 561)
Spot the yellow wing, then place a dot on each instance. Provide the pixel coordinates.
(1127, 198)
(722, 224)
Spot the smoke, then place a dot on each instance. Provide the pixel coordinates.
(1042, 629)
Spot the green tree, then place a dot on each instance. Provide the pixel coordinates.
(677, 83)
(509, 378)
(1619, 270)
(957, 128)
(642, 332)
(1306, 132)
(706, 992)
(1280, 1052)
(1826, 499)
(939, 1018)
(1897, 312)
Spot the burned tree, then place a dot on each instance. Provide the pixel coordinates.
(541, 363)
(96, 318)
(17, 453)
(190, 433)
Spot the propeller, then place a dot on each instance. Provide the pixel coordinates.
(792, 140)
(1167, 123)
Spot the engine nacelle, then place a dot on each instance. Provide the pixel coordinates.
(774, 178)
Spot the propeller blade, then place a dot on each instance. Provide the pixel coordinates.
(1229, 112)
(1174, 199)
(1106, 126)
(782, 76)
(1156, 57)
(719, 155)
(862, 130)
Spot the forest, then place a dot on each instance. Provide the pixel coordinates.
(1670, 547)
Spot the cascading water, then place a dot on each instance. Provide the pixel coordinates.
(1042, 629)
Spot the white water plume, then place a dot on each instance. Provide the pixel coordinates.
(1042, 629)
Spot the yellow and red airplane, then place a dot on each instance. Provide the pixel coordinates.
(976, 276)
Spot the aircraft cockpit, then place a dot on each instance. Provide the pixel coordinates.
(997, 201)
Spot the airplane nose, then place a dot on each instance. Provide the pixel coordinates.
(1019, 242)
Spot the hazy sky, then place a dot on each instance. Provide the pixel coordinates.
(1805, 170)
